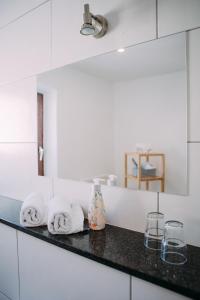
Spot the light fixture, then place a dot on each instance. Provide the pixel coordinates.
(120, 50)
(93, 25)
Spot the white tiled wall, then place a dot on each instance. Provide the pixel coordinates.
(25, 45)
(13, 9)
(35, 42)
(18, 175)
(177, 15)
(18, 111)
(18, 137)
(130, 22)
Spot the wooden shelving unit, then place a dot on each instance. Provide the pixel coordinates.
(139, 156)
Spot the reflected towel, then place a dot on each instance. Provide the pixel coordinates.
(33, 211)
(63, 217)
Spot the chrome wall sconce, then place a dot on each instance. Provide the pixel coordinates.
(93, 25)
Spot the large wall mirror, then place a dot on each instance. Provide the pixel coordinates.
(119, 117)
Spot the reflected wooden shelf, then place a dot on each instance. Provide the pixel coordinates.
(139, 178)
(145, 178)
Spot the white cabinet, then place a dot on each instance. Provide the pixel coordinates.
(14, 9)
(9, 284)
(25, 45)
(143, 290)
(130, 22)
(18, 113)
(48, 272)
(177, 15)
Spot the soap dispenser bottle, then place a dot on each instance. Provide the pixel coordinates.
(96, 212)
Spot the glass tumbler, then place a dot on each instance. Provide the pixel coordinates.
(174, 248)
(154, 230)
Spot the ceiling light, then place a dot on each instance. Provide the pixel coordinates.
(120, 50)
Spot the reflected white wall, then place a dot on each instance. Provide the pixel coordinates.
(153, 110)
(84, 123)
(98, 121)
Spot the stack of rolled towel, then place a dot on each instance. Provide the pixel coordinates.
(60, 216)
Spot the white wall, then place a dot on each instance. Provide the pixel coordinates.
(84, 123)
(18, 122)
(148, 110)
(130, 22)
(177, 15)
(14, 9)
(18, 137)
(36, 42)
(26, 45)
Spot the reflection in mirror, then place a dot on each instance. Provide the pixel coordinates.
(120, 117)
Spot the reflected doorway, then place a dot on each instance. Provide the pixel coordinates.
(40, 138)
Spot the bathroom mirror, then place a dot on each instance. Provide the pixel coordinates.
(120, 118)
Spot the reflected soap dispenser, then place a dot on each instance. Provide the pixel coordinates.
(96, 211)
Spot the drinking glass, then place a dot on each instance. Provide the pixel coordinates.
(154, 230)
(174, 248)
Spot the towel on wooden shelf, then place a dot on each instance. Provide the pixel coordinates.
(33, 211)
(63, 217)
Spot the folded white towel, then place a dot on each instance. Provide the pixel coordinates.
(63, 217)
(33, 211)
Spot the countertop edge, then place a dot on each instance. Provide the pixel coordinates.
(168, 285)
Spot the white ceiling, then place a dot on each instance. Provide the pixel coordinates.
(152, 58)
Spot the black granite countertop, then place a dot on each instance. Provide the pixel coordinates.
(118, 248)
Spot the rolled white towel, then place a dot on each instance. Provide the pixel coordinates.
(33, 211)
(63, 217)
(77, 218)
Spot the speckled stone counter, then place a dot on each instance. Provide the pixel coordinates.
(120, 249)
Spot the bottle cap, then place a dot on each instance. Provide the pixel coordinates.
(112, 177)
(97, 183)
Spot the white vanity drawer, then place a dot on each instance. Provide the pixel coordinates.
(9, 282)
(143, 290)
(48, 272)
